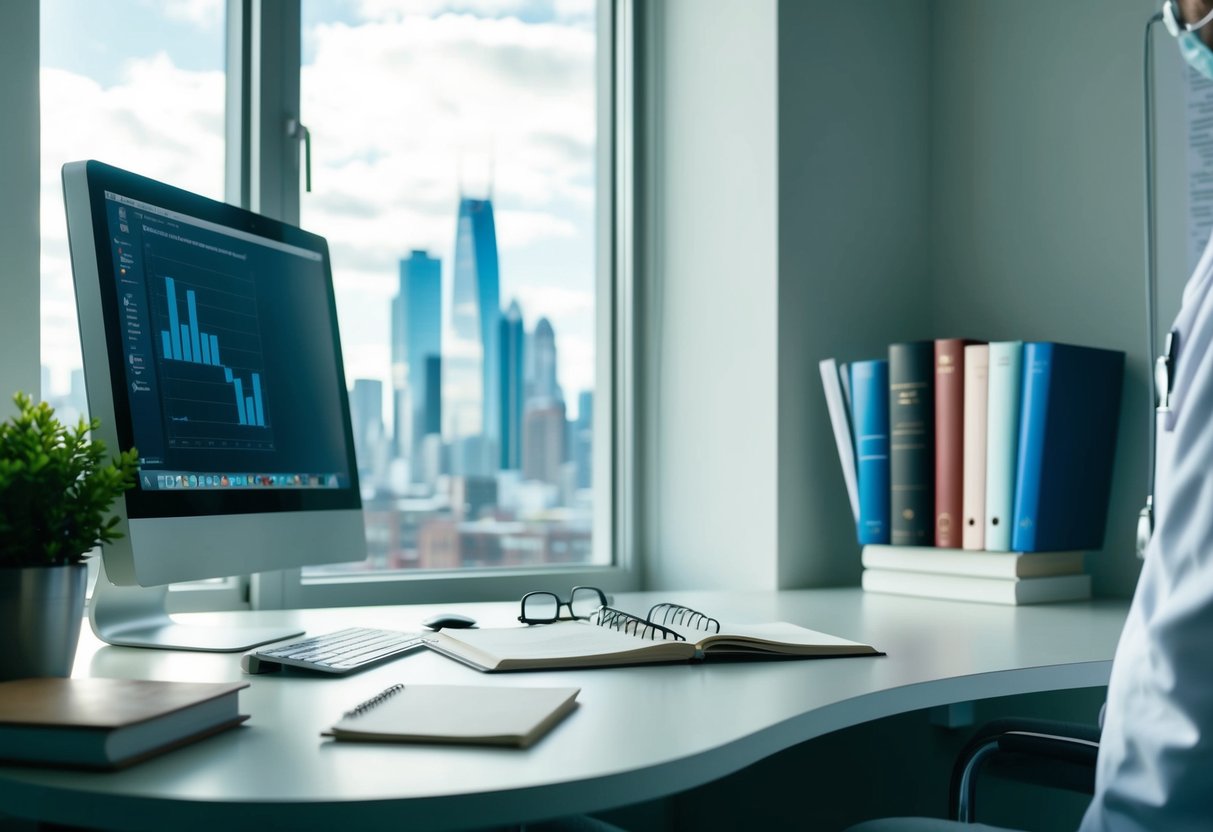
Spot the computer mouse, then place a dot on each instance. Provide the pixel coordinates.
(449, 620)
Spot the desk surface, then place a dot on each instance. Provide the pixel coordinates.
(639, 733)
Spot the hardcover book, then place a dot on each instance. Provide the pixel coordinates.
(949, 440)
(109, 723)
(870, 386)
(1067, 442)
(1012, 591)
(1002, 441)
(977, 391)
(911, 442)
(964, 562)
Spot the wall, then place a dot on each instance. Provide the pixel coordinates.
(19, 221)
(963, 169)
(709, 454)
(1037, 187)
(853, 243)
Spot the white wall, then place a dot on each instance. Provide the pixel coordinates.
(1037, 199)
(853, 243)
(709, 454)
(19, 271)
(962, 169)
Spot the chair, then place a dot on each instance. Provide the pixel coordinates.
(1035, 751)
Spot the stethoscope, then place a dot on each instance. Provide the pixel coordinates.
(1164, 364)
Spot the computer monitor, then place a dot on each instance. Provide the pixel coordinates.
(210, 344)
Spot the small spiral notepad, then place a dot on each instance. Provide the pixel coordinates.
(477, 714)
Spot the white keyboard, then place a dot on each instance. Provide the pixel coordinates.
(343, 651)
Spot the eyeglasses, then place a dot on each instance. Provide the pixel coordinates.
(544, 607)
(1174, 19)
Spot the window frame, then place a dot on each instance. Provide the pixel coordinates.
(263, 174)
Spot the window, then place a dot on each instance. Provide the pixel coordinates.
(464, 169)
(453, 172)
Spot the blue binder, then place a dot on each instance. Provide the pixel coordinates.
(1070, 409)
(870, 416)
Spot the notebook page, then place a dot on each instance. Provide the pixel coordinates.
(563, 644)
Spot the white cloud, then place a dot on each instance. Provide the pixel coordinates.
(565, 11)
(521, 228)
(554, 303)
(206, 14)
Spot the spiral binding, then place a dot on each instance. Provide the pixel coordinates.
(388, 693)
(624, 622)
(681, 616)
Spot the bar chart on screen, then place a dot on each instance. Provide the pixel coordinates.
(209, 344)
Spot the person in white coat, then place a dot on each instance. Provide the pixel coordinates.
(1155, 766)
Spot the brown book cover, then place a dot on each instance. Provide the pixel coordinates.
(949, 441)
(109, 723)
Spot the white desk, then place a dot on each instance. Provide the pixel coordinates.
(639, 733)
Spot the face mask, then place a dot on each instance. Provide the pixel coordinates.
(1193, 49)
(1198, 55)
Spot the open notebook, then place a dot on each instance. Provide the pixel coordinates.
(617, 639)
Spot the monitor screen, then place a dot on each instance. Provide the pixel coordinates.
(210, 345)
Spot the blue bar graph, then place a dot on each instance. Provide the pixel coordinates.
(239, 385)
(188, 343)
(257, 399)
(170, 287)
(193, 309)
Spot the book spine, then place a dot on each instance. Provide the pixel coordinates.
(977, 391)
(1002, 441)
(840, 421)
(1071, 407)
(911, 442)
(1033, 422)
(870, 397)
(949, 441)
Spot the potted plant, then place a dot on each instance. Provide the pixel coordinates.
(56, 489)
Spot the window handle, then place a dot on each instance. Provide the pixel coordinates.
(295, 129)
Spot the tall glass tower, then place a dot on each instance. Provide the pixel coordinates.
(471, 371)
(512, 392)
(416, 339)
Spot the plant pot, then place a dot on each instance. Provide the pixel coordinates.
(41, 608)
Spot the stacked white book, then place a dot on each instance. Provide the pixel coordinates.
(964, 575)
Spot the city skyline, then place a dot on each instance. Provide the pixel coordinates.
(515, 422)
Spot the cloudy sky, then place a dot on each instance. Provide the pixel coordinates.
(409, 102)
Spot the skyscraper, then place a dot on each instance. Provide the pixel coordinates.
(544, 387)
(512, 393)
(471, 371)
(583, 441)
(366, 416)
(543, 441)
(416, 339)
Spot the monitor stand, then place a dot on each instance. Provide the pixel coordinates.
(137, 616)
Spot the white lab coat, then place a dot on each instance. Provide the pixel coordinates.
(1155, 768)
